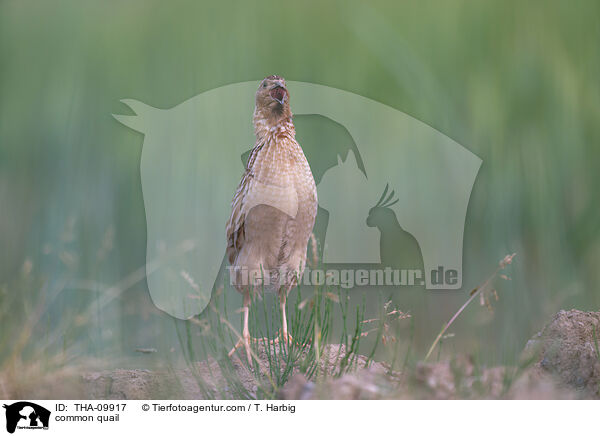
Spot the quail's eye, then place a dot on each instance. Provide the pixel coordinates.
(264, 84)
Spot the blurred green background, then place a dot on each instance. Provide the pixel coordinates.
(514, 82)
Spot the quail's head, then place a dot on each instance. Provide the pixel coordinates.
(273, 98)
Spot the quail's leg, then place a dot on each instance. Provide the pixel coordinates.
(283, 317)
(287, 338)
(245, 339)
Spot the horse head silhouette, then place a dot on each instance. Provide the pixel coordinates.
(188, 178)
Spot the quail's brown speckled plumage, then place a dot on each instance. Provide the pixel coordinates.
(274, 208)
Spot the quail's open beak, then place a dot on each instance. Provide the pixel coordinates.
(278, 92)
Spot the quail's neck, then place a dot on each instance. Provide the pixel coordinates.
(265, 126)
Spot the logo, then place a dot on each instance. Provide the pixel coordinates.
(393, 192)
(26, 415)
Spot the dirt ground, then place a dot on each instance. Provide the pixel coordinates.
(562, 361)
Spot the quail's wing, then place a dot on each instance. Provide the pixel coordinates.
(235, 224)
(257, 189)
